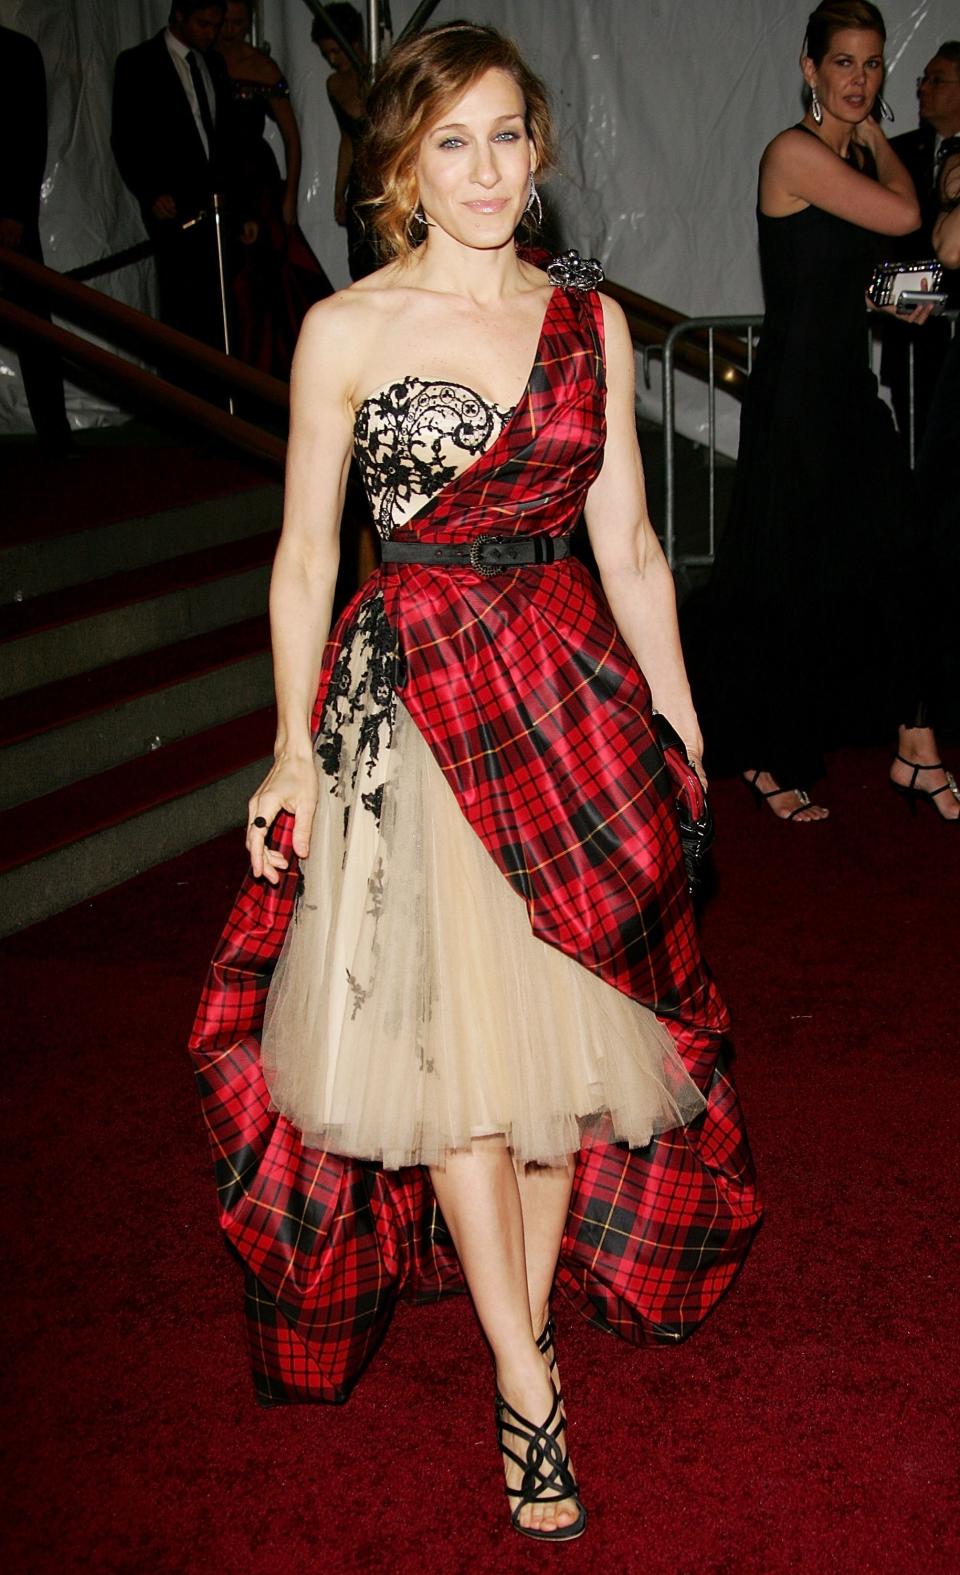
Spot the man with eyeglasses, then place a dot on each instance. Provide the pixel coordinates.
(938, 97)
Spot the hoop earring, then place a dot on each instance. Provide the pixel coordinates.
(416, 218)
(816, 108)
(884, 108)
(534, 205)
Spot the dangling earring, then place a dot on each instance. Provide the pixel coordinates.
(534, 205)
(816, 108)
(416, 218)
(884, 108)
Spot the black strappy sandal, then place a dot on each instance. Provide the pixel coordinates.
(546, 1345)
(547, 1478)
(913, 794)
(761, 797)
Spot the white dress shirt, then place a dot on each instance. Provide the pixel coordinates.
(178, 54)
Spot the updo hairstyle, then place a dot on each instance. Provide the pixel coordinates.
(835, 16)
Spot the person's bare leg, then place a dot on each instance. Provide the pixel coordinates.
(917, 747)
(479, 1195)
(545, 1201)
(785, 803)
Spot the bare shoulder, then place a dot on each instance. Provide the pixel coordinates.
(616, 330)
(337, 333)
(788, 148)
(614, 317)
(327, 335)
(269, 69)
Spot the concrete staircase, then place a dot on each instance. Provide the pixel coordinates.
(136, 706)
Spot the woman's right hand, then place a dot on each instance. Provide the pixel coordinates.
(869, 133)
(290, 785)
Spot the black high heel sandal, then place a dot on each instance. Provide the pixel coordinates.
(914, 794)
(547, 1348)
(547, 1478)
(546, 1345)
(761, 797)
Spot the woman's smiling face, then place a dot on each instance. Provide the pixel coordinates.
(474, 165)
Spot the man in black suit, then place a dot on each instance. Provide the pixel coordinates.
(23, 85)
(171, 140)
(938, 93)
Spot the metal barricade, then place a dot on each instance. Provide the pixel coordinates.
(695, 325)
(950, 317)
(747, 327)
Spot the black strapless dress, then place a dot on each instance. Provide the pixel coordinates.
(803, 639)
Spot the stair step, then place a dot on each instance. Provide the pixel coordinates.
(68, 632)
(136, 712)
(33, 892)
(111, 474)
(74, 556)
(144, 583)
(41, 710)
(64, 732)
(83, 810)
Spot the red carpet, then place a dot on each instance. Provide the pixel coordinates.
(810, 1424)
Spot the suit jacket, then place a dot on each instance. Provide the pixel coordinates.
(915, 151)
(23, 87)
(155, 138)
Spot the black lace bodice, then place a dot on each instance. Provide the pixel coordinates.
(413, 436)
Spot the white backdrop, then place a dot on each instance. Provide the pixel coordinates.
(663, 110)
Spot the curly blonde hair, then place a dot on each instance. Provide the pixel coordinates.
(423, 76)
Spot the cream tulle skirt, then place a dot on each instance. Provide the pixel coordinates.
(413, 1010)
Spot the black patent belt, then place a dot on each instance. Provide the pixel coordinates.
(486, 555)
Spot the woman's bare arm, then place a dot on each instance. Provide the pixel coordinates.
(287, 123)
(305, 570)
(798, 170)
(636, 579)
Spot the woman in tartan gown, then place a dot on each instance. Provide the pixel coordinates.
(470, 927)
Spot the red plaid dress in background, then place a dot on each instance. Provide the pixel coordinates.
(535, 711)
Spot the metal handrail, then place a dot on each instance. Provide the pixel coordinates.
(23, 324)
(651, 323)
(744, 322)
(81, 304)
(744, 325)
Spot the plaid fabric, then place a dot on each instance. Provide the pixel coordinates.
(534, 707)
(541, 722)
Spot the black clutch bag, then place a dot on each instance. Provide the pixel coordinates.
(693, 808)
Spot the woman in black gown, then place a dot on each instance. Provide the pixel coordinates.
(807, 635)
(279, 278)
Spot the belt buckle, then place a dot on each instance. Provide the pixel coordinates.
(486, 570)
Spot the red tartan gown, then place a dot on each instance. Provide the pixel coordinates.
(578, 809)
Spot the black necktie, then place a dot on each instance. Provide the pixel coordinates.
(203, 103)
